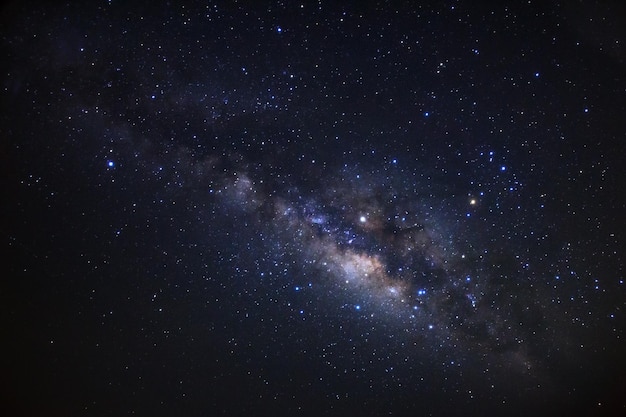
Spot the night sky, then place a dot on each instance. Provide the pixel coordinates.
(313, 208)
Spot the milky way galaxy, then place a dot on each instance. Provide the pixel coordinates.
(314, 208)
(382, 251)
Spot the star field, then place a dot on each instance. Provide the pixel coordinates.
(314, 208)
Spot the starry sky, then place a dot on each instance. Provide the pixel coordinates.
(313, 208)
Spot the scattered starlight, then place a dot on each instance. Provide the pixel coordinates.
(318, 208)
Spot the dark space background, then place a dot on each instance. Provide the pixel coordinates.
(313, 208)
